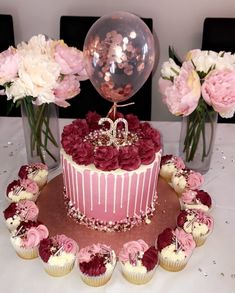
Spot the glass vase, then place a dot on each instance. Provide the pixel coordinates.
(197, 139)
(41, 132)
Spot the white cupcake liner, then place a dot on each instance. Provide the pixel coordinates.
(58, 271)
(136, 277)
(96, 281)
(172, 266)
(25, 253)
(201, 239)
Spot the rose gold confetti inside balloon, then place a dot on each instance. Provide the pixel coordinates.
(119, 53)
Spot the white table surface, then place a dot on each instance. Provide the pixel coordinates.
(211, 267)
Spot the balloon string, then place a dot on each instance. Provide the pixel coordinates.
(115, 106)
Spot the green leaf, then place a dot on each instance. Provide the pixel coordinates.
(173, 55)
(10, 106)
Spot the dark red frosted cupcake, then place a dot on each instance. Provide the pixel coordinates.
(139, 261)
(37, 172)
(196, 199)
(96, 264)
(15, 213)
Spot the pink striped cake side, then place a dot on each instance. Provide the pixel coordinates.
(110, 196)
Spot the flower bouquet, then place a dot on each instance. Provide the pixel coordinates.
(38, 75)
(198, 88)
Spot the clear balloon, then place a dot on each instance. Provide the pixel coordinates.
(119, 55)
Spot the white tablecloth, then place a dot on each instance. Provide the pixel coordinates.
(210, 269)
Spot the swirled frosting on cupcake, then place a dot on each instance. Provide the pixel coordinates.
(37, 172)
(185, 179)
(175, 245)
(138, 256)
(169, 165)
(29, 234)
(196, 222)
(22, 189)
(96, 260)
(58, 250)
(196, 199)
(15, 213)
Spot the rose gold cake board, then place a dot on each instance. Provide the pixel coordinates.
(53, 213)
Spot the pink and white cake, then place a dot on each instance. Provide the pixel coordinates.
(110, 182)
(15, 213)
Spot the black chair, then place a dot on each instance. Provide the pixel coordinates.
(6, 39)
(218, 35)
(73, 30)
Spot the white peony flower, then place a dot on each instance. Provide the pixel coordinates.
(225, 61)
(170, 69)
(202, 60)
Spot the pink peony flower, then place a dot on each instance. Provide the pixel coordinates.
(181, 95)
(106, 158)
(218, 90)
(129, 158)
(67, 88)
(70, 59)
(9, 61)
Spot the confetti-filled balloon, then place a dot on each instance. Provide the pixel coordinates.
(119, 53)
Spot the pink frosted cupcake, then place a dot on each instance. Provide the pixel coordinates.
(96, 264)
(26, 238)
(37, 172)
(24, 210)
(58, 255)
(185, 179)
(175, 248)
(196, 222)
(22, 189)
(138, 261)
(196, 199)
(169, 165)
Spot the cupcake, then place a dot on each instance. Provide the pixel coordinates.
(22, 189)
(196, 199)
(175, 248)
(58, 254)
(96, 264)
(196, 222)
(15, 213)
(169, 165)
(138, 261)
(26, 238)
(37, 172)
(185, 179)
